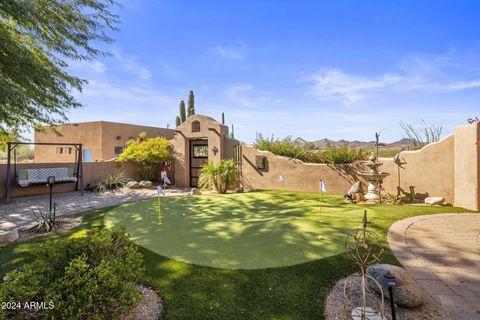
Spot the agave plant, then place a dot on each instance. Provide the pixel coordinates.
(46, 221)
(112, 182)
(221, 176)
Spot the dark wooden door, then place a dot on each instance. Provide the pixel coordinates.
(198, 156)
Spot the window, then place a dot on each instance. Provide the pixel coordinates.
(64, 150)
(195, 126)
(118, 150)
(200, 151)
(87, 155)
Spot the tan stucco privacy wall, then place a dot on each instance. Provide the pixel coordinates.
(449, 168)
(297, 174)
(467, 167)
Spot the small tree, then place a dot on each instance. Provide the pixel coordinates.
(191, 104)
(181, 108)
(178, 121)
(38, 41)
(147, 154)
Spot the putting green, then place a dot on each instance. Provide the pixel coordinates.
(240, 231)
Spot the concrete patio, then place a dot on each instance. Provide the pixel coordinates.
(443, 253)
(19, 212)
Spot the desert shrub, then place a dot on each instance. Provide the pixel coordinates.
(91, 277)
(146, 153)
(221, 176)
(287, 148)
(341, 155)
(112, 182)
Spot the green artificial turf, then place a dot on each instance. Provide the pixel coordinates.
(191, 291)
(253, 230)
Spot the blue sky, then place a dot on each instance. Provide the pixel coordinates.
(315, 69)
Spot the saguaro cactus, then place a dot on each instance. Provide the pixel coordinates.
(191, 103)
(183, 116)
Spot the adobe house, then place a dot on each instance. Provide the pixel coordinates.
(196, 141)
(102, 140)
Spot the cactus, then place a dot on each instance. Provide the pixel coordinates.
(223, 118)
(191, 103)
(183, 116)
(178, 121)
(413, 194)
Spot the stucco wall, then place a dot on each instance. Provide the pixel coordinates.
(88, 133)
(209, 129)
(467, 167)
(298, 175)
(430, 170)
(117, 135)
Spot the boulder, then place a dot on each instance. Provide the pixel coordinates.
(434, 200)
(145, 184)
(195, 192)
(410, 295)
(132, 184)
(8, 236)
(238, 190)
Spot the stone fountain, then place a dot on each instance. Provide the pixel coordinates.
(373, 176)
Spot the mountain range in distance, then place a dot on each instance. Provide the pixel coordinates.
(318, 144)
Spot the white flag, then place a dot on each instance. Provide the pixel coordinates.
(281, 179)
(166, 180)
(322, 186)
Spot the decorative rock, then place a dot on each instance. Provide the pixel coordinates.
(8, 236)
(356, 188)
(145, 184)
(7, 279)
(410, 295)
(196, 192)
(132, 184)
(434, 200)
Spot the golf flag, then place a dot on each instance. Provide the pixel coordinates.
(322, 186)
(281, 179)
(322, 190)
(160, 191)
(166, 180)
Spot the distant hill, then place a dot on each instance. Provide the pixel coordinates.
(400, 144)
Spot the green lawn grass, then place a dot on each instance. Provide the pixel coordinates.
(297, 291)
